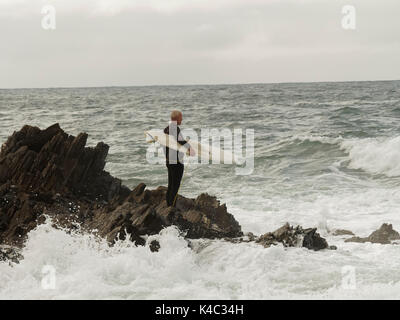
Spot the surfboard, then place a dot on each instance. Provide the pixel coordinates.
(165, 140)
(212, 154)
(206, 153)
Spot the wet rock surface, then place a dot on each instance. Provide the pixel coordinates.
(384, 235)
(291, 236)
(48, 173)
(342, 232)
(10, 254)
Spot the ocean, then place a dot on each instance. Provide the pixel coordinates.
(326, 155)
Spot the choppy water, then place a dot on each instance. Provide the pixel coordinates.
(326, 155)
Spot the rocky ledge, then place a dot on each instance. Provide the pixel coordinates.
(50, 173)
(295, 237)
(384, 235)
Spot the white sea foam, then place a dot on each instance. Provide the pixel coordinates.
(374, 155)
(87, 268)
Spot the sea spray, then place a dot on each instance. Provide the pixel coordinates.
(87, 267)
(374, 155)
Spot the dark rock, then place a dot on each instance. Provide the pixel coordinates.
(147, 212)
(154, 246)
(356, 239)
(384, 235)
(312, 240)
(10, 254)
(342, 232)
(53, 173)
(51, 161)
(294, 237)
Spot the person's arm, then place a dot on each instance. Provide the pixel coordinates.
(184, 143)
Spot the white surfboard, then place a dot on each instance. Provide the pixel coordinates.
(165, 140)
(212, 154)
(206, 153)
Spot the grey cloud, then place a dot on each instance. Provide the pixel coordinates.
(256, 41)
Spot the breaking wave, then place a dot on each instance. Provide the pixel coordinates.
(374, 155)
(85, 267)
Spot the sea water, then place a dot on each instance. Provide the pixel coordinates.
(326, 155)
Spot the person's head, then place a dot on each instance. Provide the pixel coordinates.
(176, 116)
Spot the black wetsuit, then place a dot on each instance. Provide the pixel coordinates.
(174, 162)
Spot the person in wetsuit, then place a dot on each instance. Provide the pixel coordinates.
(174, 159)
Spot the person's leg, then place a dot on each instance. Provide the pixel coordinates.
(170, 182)
(177, 178)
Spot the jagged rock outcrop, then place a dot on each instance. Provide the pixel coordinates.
(52, 161)
(384, 235)
(50, 173)
(145, 212)
(291, 236)
(288, 236)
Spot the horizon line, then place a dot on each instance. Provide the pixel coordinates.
(200, 84)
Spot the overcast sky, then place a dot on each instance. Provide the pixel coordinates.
(157, 42)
